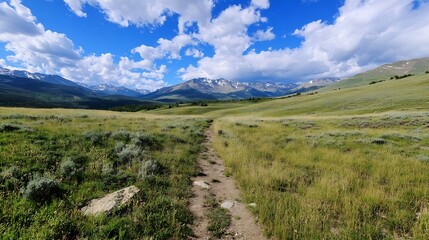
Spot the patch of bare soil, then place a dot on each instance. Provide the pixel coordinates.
(212, 180)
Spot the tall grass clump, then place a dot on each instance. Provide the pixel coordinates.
(331, 181)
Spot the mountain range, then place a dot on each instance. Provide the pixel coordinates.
(22, 88)
(195, 89)
(215, 89)
(222, 89)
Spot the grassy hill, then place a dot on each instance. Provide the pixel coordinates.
(27, 92)
(341, 164)
(385, 72)
(408, 94)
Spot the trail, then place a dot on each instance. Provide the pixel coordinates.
(212, 167)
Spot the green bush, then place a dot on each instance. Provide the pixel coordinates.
(119, 146)
(122, 135)
(95, 138)
(149, 168)
(9, 127)
(11, 172)
(68, 168)
(148, 141)
(129, 153)
(42, 189)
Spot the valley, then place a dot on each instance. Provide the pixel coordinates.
(214, 120)
(349, 163)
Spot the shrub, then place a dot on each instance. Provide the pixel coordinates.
(119, 147)
(149, 168)
(95, 138)
(11, 172)
(107, 168)
(68, 168)
(42, 189)
(378, 141)
(129, 153)
(147, 140)
(10, 179)
(9, 127)
(122, 135)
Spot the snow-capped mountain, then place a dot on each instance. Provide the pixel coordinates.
(101, 89)
(38, 76)
(204, 88)
(318, 82)
(109, 89)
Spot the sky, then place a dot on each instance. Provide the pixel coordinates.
(149, 44)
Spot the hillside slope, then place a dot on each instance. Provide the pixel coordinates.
(384, 72)
(28, 92)
(408, 94)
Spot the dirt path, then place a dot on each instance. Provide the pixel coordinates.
(212, 180)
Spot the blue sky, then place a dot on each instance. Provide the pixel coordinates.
(149, 44)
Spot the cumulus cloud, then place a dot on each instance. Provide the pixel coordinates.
(193, 52)
(266, 35)
(14, 20)
(366, 33)
(34, 47)
(148, 12)
(39, 50)
(93, 70)
(228, 32)
(166, 48)
(263, 4)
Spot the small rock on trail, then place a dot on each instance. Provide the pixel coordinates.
(201, 184)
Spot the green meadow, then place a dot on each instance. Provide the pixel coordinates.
(342, 164)
(53, 162)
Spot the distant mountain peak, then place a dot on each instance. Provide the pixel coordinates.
(101, 89)
(210, 89)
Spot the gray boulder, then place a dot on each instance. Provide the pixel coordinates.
(111, 201)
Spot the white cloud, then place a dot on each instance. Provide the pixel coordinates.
(173, 47)
(228, 32)
(14, 20)
(263, 4)
(193, 52)
(149, 53)
(34, 48)
(365, 34)
(266, 35)
(148, 12)
(166, 48)
(93, 70)
(76, 7)
(38, 50)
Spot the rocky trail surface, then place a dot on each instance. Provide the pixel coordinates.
(212, 180)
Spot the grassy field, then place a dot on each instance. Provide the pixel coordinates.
(349, 178)
(53, 162)
(345, 164)
(349, 164)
